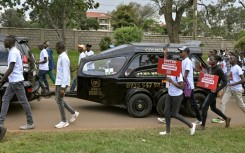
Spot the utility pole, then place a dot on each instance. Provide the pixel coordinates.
(194, 19)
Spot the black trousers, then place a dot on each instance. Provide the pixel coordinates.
(171, 109)
(210, 101)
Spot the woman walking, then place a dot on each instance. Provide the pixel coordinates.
(173, 102)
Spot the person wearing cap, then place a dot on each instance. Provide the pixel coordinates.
(89, 52)
(187, 72)
(50, 61)
(81, 49)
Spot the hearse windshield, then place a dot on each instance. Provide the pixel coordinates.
(108, 66)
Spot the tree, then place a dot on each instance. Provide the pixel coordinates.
(223, 19)
(168, 8)
(132, 14)
(57, 12)
(14, 18)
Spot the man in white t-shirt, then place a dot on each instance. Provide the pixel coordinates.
(81, 49)
(43, 66)
(187, 72)
(234, 88)
(89, 52)
(15, 77)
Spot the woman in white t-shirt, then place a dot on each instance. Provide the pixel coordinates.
(173, 102)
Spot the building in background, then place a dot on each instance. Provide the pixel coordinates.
(103, 19)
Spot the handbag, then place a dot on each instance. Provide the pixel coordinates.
(187, 89)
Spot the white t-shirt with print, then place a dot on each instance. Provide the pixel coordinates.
(17, 74)
(90, 65)
(43, 54)
(172, 89)
(187, 65)
(234, 77)
(223, 66)
(82, 55)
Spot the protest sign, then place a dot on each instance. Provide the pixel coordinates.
(169, 67)
(208, 81)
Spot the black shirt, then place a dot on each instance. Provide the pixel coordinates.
(216, 70)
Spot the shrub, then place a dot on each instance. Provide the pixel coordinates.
(240, 45)
(127, 35)
(105, 43)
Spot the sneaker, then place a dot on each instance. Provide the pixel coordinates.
(61, 125)
(227, 122)
(217, 120)
(3, 131)
(162, 120)
(27, 127)
(197, 122)
(193, 129)
(164, 133)
(74, 116)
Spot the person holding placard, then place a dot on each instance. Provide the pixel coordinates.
(173, 102)
(211, 97)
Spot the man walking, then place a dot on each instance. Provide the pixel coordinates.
(50, 61)
(15, 87)
(187, 72)
(61, 83)
(43, 66)
(234, 88)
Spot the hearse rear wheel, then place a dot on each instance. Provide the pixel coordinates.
(139, 105)
(161, 105)
(200, 98)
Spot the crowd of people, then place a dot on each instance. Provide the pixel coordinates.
(226, 66)
(14, 75)
(229, 67)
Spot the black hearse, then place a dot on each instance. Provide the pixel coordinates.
(127, 76)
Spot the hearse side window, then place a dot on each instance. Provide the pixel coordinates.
(148, 73)
(109, 66)
(142, 60)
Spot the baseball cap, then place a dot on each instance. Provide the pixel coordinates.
(88, 45)
(82, 46)
(184, 49)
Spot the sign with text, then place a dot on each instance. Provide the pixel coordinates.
(169, 67)
(208, 81)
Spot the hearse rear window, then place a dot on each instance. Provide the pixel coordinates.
(109, 66)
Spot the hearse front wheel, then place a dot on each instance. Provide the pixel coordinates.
(139, 105)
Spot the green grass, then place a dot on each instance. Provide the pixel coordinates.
(213, 139)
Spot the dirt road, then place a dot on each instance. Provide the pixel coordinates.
(97, 116)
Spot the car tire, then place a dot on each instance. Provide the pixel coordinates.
(161, 105)
(200, 98)
(139, 105)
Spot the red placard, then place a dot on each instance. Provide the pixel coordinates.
(169, 67)
(208, 81)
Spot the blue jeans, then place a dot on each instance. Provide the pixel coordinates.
(42, 77)
(74, 84)
(62, 104)
(18, 89)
